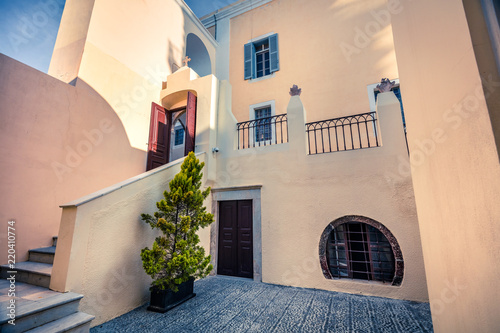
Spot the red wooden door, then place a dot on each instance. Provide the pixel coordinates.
(190, 123)
(159, 137)
(235, 255)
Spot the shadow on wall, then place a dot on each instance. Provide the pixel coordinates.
(372, 35)
(173, 56)
(59, 142)
(200, 59)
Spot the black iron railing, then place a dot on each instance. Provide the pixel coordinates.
(345, 133)
(262, 132)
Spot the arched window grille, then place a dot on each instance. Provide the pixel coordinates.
(355, 247)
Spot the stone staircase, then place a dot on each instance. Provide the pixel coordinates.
(38, 309)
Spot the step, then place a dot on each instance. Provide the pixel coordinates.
(54, 241)
(35, 306)
(44, 255)
(78, 322)
(35, 273)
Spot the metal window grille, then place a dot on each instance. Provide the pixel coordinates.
(345, 133)
(263, 131)
(359, 251)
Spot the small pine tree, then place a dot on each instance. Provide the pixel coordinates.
(176, 256)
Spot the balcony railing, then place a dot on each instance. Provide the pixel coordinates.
(262, 132)
(345, 133)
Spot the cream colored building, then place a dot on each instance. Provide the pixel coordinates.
(341, 197)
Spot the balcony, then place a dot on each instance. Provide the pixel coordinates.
(344, 133)
(262, 132)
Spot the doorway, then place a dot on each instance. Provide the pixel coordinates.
(171, 133)
(235, 250)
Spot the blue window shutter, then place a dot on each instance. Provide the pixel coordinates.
(248, 54)
(273, 52)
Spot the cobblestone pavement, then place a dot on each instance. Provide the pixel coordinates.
(224, 304)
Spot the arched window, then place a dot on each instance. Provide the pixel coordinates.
(178, 135)
(356, 247)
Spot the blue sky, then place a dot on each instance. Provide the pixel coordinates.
(204, 7)
(28, 28)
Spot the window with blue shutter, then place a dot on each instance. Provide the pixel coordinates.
(261, 57)
(273, 52)
(249, 51)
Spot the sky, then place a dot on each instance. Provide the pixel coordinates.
(28, 28)
(204, 7)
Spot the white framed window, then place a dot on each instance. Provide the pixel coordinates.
(263, 129)
(263, 126)
(261, 57)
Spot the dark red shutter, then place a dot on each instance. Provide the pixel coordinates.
(159, 138)
(190, 123)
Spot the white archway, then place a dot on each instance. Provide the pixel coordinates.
(200, 59)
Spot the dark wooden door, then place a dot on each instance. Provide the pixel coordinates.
(159, 137)
(235, 255)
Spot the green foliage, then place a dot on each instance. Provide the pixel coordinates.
(176, 255)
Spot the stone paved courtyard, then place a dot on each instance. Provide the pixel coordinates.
(224, 304)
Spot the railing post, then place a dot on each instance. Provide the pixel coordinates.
(296, 122)
(391, 131)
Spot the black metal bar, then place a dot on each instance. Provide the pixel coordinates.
(329, 140)
(367, 135)
(315, 142)
(336, 138)
(350, 132)
(359, 135)
(281, 130)
(309, 141)
(343, 135)
(243, 138)
(322, 140)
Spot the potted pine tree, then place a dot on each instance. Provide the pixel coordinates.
(176, 259)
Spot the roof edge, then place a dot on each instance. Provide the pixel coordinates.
(231, 11)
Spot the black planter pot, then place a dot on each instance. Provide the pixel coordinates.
(164, 300)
